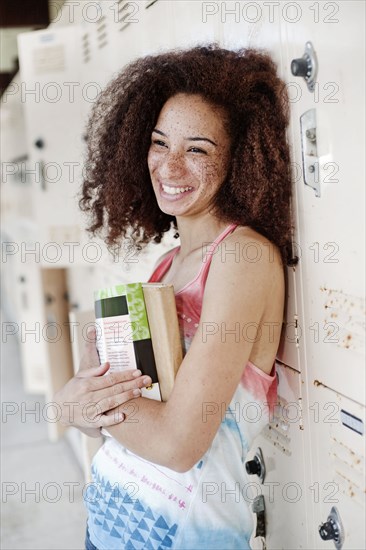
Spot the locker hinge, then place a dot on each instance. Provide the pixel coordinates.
(301, 422)
(296, 327)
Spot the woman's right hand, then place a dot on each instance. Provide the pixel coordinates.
(89, 395)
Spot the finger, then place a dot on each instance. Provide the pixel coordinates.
(92, 372)
(114, 412)
(120, 391)
(110, 403)
(118, 377)
(111, 419)
(90, 356)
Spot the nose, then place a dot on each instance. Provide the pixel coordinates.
(172, 164)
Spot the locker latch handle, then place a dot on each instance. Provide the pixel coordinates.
(309, 151)
(332, 529)
(260, 511)
(256, 466)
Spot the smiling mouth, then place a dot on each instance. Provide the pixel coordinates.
(175, 190)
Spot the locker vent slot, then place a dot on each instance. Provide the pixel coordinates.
(126, 13)
(347, 314)
(348, 470)
(149, 3)
(48, 59)
(102, 35)
(349, 489)
(85, 47)
(277, 431)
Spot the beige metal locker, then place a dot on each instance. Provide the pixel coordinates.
(338, 429)
(28, 317)
(331, 234)
(51, 98)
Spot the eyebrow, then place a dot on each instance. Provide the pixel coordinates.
(188, 138)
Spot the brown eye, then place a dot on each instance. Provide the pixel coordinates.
(197, 150)
(158, 142)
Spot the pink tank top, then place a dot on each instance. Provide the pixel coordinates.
(189, 298)
(189, 304)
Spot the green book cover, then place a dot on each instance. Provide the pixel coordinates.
(123, 333)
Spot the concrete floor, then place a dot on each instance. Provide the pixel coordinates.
(42, 482)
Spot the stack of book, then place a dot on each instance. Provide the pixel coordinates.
(137, 327)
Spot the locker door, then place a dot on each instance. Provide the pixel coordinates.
(50, 88)
(285, 490)
(29, 314)
(331, 226)
(338, 424)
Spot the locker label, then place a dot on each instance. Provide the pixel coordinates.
(352, 422)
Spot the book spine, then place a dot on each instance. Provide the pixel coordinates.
(165, 334)
(123, 333)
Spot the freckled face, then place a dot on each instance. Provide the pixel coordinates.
(189, 154)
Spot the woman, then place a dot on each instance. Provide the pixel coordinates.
(194, 139)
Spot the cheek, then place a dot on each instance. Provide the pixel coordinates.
(151, 161)
(212, 172)
(201, 170)
(148, 158)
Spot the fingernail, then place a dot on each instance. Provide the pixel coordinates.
(147, 380)
(136, 392)
(137, 373)
(120, 417)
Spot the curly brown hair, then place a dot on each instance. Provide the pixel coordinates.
(117, 191)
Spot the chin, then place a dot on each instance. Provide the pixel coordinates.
(170, 210)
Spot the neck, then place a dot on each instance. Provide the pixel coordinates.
(194, 233)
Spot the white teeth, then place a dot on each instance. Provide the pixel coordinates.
(175, 190)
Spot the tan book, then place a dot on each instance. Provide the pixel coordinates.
(164, 327)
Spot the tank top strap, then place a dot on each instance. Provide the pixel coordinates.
(161, 269)
(211, 248)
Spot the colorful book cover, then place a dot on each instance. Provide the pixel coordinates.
(123, 332)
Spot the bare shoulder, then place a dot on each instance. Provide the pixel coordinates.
(247, 251)
(245, 287)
